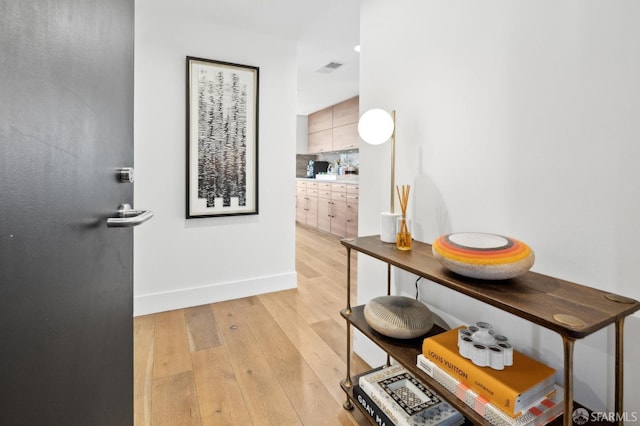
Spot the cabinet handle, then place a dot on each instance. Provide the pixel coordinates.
(348, 213)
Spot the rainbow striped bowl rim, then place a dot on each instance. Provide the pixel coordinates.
(482, 255)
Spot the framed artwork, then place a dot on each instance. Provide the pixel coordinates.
(222, 138)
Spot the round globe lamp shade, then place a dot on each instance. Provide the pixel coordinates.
(375, 126)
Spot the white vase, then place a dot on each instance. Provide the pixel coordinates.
(388, 226)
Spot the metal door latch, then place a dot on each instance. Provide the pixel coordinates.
(125, 174)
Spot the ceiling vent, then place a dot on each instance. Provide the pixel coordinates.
(330, 67)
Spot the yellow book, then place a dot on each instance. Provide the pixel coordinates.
(512, 389)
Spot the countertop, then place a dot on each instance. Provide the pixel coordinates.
(351, 179)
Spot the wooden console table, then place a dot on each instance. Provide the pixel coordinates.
(572, 310)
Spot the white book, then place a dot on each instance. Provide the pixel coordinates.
(541, 412)
(406, 400)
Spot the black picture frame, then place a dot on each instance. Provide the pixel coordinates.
(222, 138)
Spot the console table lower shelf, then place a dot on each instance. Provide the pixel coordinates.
(405, 352)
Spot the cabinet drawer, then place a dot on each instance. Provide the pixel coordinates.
(312, 192)
(322, 193)
(312, 185)
(301, 185)
(352, 198)
(353, 189)
(324, 186)
(339, 196)
(338, 187)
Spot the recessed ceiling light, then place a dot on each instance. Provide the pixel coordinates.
(357, 48)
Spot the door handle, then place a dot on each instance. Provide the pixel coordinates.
(129, 217)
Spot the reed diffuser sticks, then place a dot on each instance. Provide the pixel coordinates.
(403, 238)
(404, 198)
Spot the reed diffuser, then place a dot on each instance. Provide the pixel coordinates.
(403, 236)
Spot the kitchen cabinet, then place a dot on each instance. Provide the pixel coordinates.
(307, 203)
(345, 137)
(338, 208)
(320, 120)
(334, 128)
(319, 142)
(329, 207)
(346, 112)
(345, 124)
(325, 207)
(352, 210)
(572, 310)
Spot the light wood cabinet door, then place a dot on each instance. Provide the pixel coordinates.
(346, 137)
(338, 212)
(339, 218)
(346, 112)
(321, 141)
(329, 207)
(307, 203)
(320, 120)
(334, 128)
(324, 214)
(301, 206)
(352, 216)
(312, 211)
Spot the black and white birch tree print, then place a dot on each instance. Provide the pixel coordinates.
(222, 137)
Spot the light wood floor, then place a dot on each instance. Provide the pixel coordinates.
(273, 359)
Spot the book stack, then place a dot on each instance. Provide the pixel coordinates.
(393, 396)
(539, 413)
(522, 394)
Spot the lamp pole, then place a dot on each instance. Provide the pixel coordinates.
(393, 162)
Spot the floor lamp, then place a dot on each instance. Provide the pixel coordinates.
(375, 127)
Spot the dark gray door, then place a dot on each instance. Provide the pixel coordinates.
(66, 124)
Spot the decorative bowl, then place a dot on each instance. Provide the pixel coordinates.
(483, 256)
(398, 316)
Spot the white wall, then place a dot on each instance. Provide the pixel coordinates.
(181, 262)
(522, 119)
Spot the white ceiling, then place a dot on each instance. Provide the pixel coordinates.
(328, 36)
(325, 31)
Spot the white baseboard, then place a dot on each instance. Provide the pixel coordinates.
(185, 298)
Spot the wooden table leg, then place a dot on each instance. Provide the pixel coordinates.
(348, 405)
(388, 279)
(347, 381)
(348, 308)
(568, 343)
(619, 370)
(388, 294)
